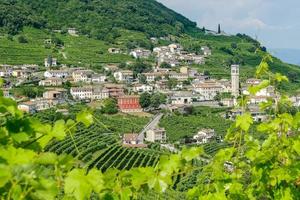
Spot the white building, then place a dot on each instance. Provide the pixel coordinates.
(98, 78)
(152, 76)
(140, 88)
(179, 76)
(84, 76)
(52, 81)
(89, 93)
(204, 136)
(206, 51)
(50, 62)
(72, 31)
(156, 135)
(57, 73)
(124, 76)
(140, 53)
(5, 72)
(182, 98)
(208, 89)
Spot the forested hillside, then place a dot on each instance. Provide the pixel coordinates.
(96, 18)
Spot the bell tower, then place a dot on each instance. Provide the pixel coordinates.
(235, 80)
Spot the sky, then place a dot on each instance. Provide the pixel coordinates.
(275, 23)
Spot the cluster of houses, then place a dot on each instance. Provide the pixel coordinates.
(173, 54)
(134, 140)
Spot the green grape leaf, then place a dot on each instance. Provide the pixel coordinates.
(254, 89)
(77, 185)
(58, 130)
(280, 78)
(85, 117)
(46, 189)
(47, 158)
(18, 156)
(5, 175)
(296, 146)
(20, 137)
(192, 153)
(244, 121)
(95, 179)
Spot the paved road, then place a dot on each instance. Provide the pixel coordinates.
(152, 124)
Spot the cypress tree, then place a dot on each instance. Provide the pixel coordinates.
(219, 29)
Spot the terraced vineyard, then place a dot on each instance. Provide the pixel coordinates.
(100, 147)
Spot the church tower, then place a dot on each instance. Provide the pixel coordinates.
(235, 82)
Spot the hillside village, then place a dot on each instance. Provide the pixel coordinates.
(129, 99)
(171, 76)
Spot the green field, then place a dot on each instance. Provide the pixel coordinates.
(99, 146)
(179, 126)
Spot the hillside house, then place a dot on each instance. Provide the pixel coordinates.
(152, 76)
(128, 104)
(52, 81)
(57, 73)
(28, 107)
(114, 50)
(178, 76)
(182, 98)
(21, 73)
(204, 136)
(206, 51)
(124, 76)
(72, 31)
(5, 72)
(99, 78)
(84, 76)
(111, 67)
(89, 93)
(156, 135)
(140, 53)
(50, 62)
(208, 89)
(114, 90)
(56, 94)
(132, 140)
(141, 88)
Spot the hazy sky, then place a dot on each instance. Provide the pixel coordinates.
(276, 23)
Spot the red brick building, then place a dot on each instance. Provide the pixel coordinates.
(129, 104)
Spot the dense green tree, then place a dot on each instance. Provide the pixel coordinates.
(142, 78)
(22, 39)
(172, 83)
(145, 100)
(157, 99)
(109, 106)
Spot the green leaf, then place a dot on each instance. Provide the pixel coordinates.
(58, 130)
(192, 153)
(5, 175)
(280, 78)
(77, 185)
(47, 158)
(296, 146)
(254, 89)
(18, 156)
(95, 179)
(244, 121)
(20, 137)
(85, 117)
